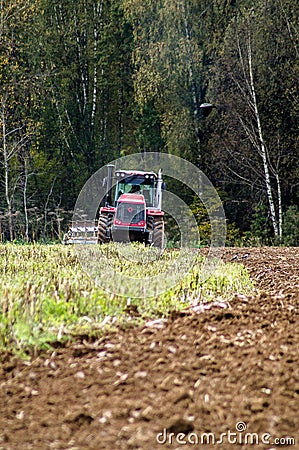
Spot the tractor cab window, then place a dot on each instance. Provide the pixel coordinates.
(138, 184)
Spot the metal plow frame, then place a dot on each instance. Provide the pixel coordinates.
(81, 232)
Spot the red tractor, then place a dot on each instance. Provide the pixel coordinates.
(135, 214)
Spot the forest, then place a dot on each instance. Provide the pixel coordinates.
(84, 82)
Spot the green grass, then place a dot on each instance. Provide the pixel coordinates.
(45, 294)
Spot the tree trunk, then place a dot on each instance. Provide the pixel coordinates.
(97, 12)
(25, 200)
(262, 147)
(280, 225)
(6, 172)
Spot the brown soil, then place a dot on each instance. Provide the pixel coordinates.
(203, 371)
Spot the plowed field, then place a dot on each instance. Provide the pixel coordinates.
(228, 368)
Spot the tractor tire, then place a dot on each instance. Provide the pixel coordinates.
(104, 227)
(158, 232)
(150, 227)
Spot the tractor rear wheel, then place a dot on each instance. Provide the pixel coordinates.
(158, 232)
(104, 227)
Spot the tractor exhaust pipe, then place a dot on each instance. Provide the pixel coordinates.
(110, 168)
(159, 190)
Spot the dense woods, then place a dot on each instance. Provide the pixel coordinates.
(84, 82)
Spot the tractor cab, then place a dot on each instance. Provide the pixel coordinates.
(136, 182)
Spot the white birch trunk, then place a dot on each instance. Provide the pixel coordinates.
(280, 216)
(97, 11)
(25, 201)
(262, 147)
(6, 171)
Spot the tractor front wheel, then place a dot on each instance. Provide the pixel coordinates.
(104, 229)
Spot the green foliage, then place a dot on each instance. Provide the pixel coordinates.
(87, 81)
(46, 295)
(260, 224)
(260, 229)
(291, 226)
(204, 226)
(148, 132)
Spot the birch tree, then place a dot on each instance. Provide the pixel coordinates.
(7, 156)
(254, 131)
(256, 79)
